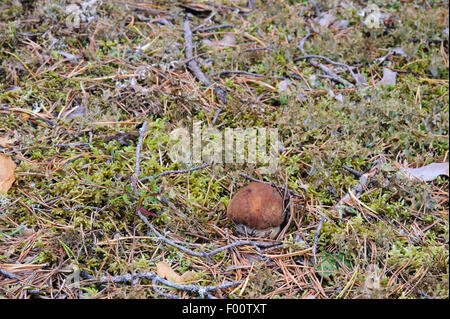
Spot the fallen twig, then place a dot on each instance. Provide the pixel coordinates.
(316, 236)
(9, 275)
(134, 180)
(202, 253)
(364, 180)
(226, 72)
(181, 171)
(193, 66)
(316, 64)
(315, 56)
(213, 27)
(353, 171)
(201, 290)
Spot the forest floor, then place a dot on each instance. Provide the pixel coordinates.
(91, 91)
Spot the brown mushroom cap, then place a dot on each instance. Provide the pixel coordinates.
(257, 205)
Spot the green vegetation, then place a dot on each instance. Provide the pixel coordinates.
(72, 202)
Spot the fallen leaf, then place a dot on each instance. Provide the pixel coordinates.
(7, 141)
(7, 167)
(228, 40)
(360, 79)
(340, 24)
(325, 19)
(187, 276)
(427, 173)
(165, 271)
(389, 77)
(284, 87)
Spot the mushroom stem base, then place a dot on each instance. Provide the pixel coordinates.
(242, 230)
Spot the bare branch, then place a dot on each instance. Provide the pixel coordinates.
(181, 171)
(193, 66)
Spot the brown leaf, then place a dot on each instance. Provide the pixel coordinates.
(187, 276)
(7, 167)
(165, 271)
(228, 40)
(7, 141)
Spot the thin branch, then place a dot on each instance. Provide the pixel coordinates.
(353, 171)
(201, 290)
(214, 27)
(193, 66)
(181, 171)
(320, 66)
(134, 180)
(227, 72)
(316, 56)
(138, 155)
(364, 180)
(202, 253)
(9, 275)
(316, 237)
(168, 241)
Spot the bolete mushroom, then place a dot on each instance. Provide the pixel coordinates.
(257, 211)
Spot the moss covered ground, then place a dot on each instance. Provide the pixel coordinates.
(79, 78)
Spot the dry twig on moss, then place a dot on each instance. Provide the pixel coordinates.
(364, 180)
(180, 171)
(316, 56)
(318, 65)
(201, 290)
(134, 180)
(202, 253)
(193, 66)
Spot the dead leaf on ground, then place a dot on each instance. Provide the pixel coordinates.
(389, 78)
(285, 87)
(7, 140)
(165, 271)
(228, 40)
(426, 173)
(325, 20)
(7, 168)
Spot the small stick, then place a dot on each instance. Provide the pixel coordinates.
(364, 180)
(316, 64)
(202, 253)
(316, 56)
(226, 72)
(181, 171)
(220, 26)
(316, 237)
(160, 292)
(353, 171)
(9, 275)
(82, 207)
(193, 66)
(201, 290)
(155, 278)
(134, 179)
(257, 49)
